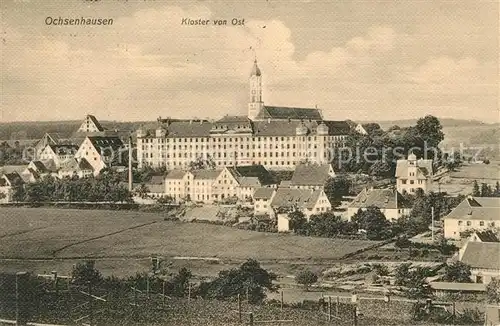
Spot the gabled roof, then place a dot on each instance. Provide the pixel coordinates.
(95, 121)
(206, 174)
(188, 129)
(484, 255)
(83, 164)
(487, 236)
(336, 128)
(176, 174)
(424, 168)
(477, 208)
(105, 142)
(283, 113)
(14, 178)
(455, 286)
(64, 149)
(28, 173)
(256, 171)
(301, 198)
(263, 193)
(157, 180)
(40, 166)
(310, 174)
(381, 198)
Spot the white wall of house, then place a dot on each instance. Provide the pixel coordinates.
(7, 191)
(389, 213)
(453, 227)
(283, 223)
(92, 155)
(410, 184)
(485, 276)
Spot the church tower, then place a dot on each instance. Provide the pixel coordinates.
(256, 104)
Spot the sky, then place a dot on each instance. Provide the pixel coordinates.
(353, 59)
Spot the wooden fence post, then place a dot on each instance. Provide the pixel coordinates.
(337, 306)
(239, 309)
(250, 315)
(281, 300)
(189, 292)
(147, 287)
(163, 292)
(91, 310)
(56, 281)
(355, 323)
(21, 313)
(329, 308)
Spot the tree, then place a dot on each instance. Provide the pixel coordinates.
(142, 190)
(306, 278)
(329, 225)
(430, 130)
(374, 222)
(475, 189)
(297, 222)
(336, 188)
(485, 190)
(457, 272)
(86, 272)
(249, 278)
(493, 291)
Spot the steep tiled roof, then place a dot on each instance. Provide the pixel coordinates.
(482, 255)
(301, 198)
(64, 149)
(381, 198)
(232, 124)
(487, 236)
(96, 122)
(105, 142)
(249, 171)
(14, 178)
(263, 193)
(157, 180)
(336, 128)
(206, 174)
(281, 112)
(188, 129)
(424, 168)
(175, 174)
(310, 175)
(40, 166)
(477, 208)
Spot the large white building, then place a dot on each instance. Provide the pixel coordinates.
(276, 137)
(412, 174)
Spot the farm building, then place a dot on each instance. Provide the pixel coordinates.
(472, 214)
(390, 202)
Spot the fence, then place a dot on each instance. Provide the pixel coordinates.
(56, 300)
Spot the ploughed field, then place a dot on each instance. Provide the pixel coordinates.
(46, 233)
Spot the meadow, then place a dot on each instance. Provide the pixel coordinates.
(32, 234)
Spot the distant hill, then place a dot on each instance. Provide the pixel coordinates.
(445, 122)
(65, 129)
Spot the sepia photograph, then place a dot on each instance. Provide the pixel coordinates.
(265, 162)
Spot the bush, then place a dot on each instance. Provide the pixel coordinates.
(306, 278)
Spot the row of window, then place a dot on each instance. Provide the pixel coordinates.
(236, 139)
(481, 223)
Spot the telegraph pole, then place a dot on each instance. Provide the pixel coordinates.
(130, 163)
(432, 223)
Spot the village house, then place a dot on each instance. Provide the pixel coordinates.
(7, 183)
(207, 186)
(483, 259)
(102, 152)
(311, 176)
(308, 201)
(390, 202)
(262, 198)
(473, 213)
(74, 167)
(484, 236)
(58, 153)
(412, 174)
(195, 185)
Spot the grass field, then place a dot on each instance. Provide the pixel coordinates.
(63, 234)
